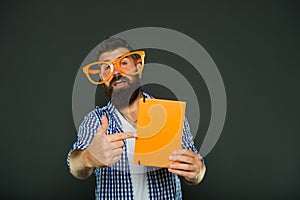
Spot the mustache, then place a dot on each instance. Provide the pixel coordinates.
(117, 77)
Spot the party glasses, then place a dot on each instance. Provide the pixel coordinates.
(131, 63)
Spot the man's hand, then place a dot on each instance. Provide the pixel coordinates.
(105, 150)
(188, 164)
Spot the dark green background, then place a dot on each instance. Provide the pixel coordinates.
(255, 45)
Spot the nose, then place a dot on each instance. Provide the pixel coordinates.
(116, 70)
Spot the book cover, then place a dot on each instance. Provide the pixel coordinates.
(159, 129)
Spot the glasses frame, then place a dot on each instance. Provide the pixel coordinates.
(113, 64)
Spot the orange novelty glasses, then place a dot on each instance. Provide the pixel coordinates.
(131, 63)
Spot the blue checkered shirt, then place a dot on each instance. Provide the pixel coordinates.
(114, 182)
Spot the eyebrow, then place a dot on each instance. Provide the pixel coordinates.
(113, 60)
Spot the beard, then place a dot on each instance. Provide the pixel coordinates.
(125, 96)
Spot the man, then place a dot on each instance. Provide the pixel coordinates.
(106, 136)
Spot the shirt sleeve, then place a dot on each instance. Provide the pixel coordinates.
(86, 132)
(187, 137)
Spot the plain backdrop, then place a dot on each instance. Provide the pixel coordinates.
(255, 45)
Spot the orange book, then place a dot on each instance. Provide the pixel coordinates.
(159, 129)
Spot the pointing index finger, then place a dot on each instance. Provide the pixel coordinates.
(121, 136)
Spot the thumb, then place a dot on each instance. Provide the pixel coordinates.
(104, 124)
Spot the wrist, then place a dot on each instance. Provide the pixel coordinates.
(89, 161)
(86, 159)
(200, 175)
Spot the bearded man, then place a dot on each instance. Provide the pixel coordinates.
(106, 137)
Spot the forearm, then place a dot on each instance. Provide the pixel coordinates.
(80, 166)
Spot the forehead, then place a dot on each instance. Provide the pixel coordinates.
(113, 55)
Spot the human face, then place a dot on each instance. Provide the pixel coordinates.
(121, 89)
(111, 56)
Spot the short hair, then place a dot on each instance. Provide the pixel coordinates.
(111, 44)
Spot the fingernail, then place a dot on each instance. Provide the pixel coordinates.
(135, 135)
(170, 157)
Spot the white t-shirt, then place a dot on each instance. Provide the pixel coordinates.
(138, 172)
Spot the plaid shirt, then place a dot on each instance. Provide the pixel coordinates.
(114, 182)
